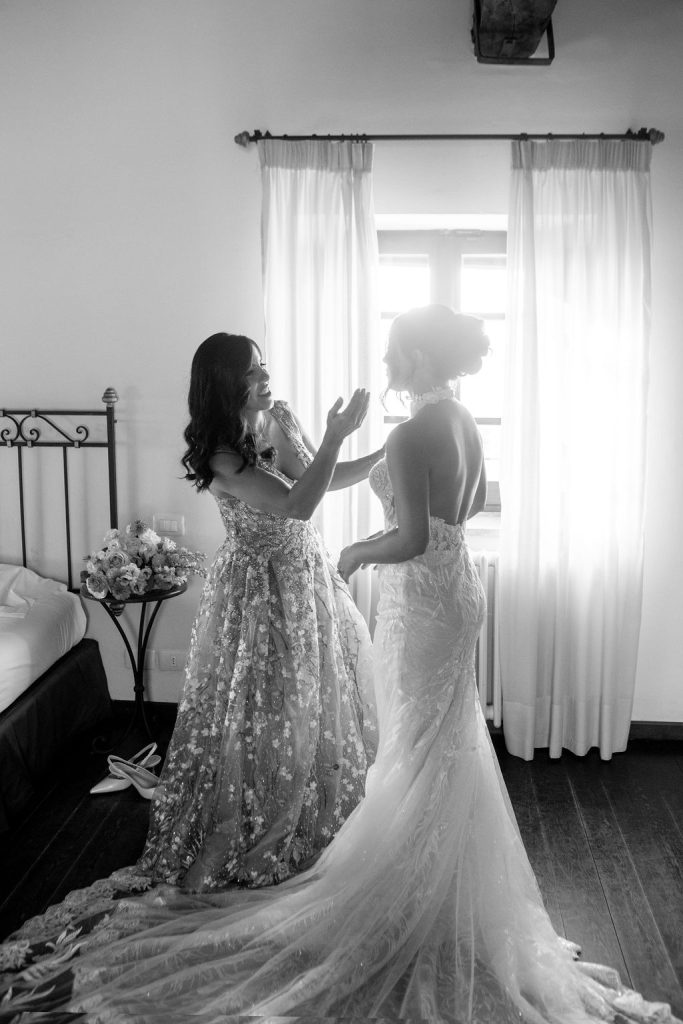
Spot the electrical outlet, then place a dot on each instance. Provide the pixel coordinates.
(171, 661)
(168, 523)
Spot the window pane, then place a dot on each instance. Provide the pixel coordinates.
(482, 392)
(490, 435)
(404, 282)
(474, 282)
(483, 284)
(391, 402)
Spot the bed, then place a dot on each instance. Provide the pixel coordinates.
(58, 482)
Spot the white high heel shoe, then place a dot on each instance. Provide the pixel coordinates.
(144, 781)
(112, 783)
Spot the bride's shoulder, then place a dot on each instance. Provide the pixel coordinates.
(413, 427)
(408, 437)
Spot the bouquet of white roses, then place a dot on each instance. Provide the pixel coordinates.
(136, 561)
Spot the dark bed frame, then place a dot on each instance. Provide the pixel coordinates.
(71, 698)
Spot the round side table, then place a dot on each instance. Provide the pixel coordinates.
(113, 608)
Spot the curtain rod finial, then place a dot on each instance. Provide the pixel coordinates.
(652, 135)
(244, 138)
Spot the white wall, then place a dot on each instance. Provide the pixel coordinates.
(129, 225)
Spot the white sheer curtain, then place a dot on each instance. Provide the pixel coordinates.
(573, 455)
(320, 270)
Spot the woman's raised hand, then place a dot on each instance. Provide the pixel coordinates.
(342, 423)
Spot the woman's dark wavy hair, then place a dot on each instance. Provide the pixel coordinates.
(219, 390)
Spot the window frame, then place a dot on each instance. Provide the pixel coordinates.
(444, 248)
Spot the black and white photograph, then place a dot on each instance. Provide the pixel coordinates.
(341, 592)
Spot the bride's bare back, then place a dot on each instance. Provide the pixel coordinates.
(451, 445)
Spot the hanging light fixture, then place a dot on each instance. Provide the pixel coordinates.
(509, 31)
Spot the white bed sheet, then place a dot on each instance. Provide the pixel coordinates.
(39, 622)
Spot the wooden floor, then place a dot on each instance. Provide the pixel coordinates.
(604, 838)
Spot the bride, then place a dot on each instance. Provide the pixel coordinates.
(424, 907)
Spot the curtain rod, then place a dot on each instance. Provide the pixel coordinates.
(651, 135)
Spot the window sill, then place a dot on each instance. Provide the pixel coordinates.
(483, 531)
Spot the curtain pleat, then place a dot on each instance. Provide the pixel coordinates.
(319, 245)
(573, 446)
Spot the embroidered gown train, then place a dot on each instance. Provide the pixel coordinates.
(423, 908)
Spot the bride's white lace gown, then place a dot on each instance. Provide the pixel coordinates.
(424, 907)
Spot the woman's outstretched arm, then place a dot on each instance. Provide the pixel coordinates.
(348, 472)
(267, 493)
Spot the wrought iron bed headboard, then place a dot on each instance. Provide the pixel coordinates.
(41, 428)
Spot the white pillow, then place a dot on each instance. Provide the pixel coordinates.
(20, 588)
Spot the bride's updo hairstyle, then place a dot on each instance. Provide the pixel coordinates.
(455, 343)
(218, 394)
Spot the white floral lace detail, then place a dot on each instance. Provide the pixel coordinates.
(275, 728)
(431, 397)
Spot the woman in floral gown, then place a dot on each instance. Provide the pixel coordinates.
(424, 907)
(276, 725)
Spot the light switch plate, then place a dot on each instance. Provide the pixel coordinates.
(168, 524)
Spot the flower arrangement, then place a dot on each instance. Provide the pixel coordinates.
(137, 561)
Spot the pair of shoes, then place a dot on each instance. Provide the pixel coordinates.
(114, 783)
(136, 775)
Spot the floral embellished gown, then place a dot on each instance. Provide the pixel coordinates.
(276, 726)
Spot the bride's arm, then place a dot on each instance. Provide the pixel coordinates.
(345, 473)
(407, 464)
(352, 472)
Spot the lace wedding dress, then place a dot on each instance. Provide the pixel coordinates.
(423, 908)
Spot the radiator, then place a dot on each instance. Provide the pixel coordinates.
(487, 657)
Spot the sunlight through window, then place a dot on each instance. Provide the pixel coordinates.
(467, 271)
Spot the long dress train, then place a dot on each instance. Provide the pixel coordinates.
(424, 908)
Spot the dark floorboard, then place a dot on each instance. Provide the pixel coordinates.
(577, 886)
(605, 839)
(618, 832)
(520, 785)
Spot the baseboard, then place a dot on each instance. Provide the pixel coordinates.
(665, 731)
(656, 731)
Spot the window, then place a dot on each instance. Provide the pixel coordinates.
(467, 271)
